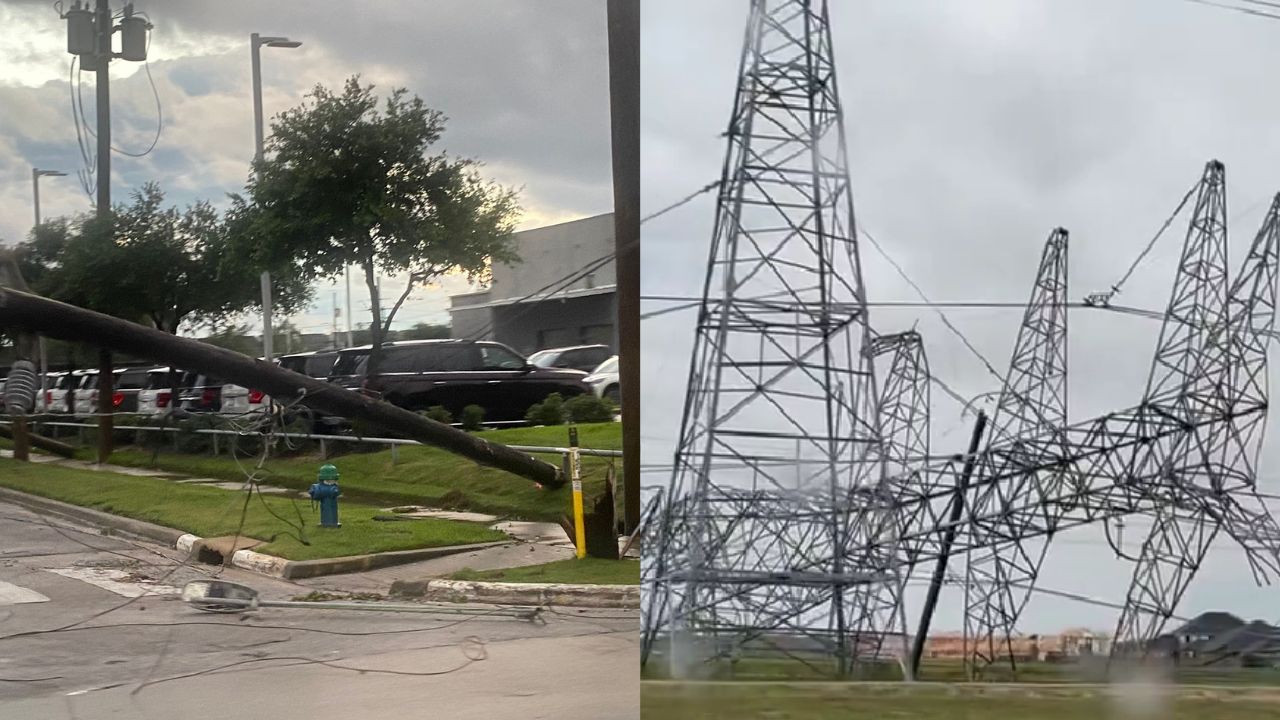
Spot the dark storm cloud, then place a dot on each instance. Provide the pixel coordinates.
(524, 85)
(974, 129)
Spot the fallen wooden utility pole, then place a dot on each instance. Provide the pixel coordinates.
(55, 319)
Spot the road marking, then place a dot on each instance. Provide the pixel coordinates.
(11, 594)
(118, 581)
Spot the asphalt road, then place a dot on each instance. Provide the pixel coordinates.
(91, 627)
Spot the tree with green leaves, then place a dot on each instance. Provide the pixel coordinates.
(345, 183)
(150, 264)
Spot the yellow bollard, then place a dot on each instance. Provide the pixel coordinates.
(575, 476)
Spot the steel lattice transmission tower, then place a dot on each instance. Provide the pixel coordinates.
(780, 429)
(1032, 403)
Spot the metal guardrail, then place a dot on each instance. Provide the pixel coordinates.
(393, 442)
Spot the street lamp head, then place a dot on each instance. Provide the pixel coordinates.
(277, 42)
(48, 173)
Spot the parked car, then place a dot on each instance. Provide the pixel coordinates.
(579, 357)
(127, 384)
(156, 395)
(419, 374)
(56, 392)
(317, 364)
(604, 381)
(240, 400)
(54, 397)
(201, 392)
(63, 400)
(86, 394)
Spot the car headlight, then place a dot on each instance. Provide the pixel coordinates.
(591, 378)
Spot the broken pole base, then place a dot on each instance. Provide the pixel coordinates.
(41, 442)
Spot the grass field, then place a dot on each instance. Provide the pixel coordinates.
(755, 669)
(662, 700)
(210, 512)
(591, 571)
(422, 475)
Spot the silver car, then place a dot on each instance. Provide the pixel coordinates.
(86, 394)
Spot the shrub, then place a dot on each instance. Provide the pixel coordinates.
(548, 412)
(472, 417)
(191, 442)
(439, 414)
(587, 408)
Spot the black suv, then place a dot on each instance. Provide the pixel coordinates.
(316, 364)
(418, 374)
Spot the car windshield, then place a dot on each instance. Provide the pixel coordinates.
(608, 366)
(543, 358)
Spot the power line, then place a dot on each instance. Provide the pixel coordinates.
(159, 112)
(1115, 289)
(550, 289)
(943, 316)
(687, 198)
(1237, 8)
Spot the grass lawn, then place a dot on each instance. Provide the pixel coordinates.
(768, 669)
(210, 512)
(838, 701)
(590, 571)
(423, 475)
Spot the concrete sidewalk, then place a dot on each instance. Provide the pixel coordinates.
(378, 573)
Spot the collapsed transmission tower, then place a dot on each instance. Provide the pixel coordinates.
(804, 495)
(780, 432)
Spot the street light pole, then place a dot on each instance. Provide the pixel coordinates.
(255, 44)
(36, 174)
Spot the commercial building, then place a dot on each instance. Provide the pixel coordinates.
(555, 295)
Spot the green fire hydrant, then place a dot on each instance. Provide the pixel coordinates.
(326, 492)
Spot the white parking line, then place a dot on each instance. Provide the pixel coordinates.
(11, 594)
(118, 581)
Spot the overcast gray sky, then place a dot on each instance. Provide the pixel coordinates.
(975, 127)
(524, 85)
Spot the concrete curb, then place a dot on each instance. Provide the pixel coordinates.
(116, 523)
(593, 596)
(257, 562)
(296, 569)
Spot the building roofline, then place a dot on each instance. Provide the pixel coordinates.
(563, 295)
(564, 222)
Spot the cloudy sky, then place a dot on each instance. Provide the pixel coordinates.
(524, 85)
(975, 127)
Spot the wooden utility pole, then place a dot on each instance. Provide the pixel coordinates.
(36, 314)
(940, 569)
(103, 26)
(624, 103)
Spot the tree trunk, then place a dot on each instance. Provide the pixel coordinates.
(106, 388)
(375, 328)
(408, 288)
(37, 314)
